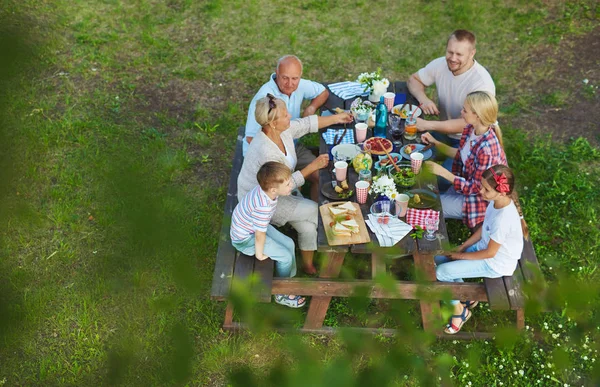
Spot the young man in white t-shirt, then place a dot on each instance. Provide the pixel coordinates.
(455, 75)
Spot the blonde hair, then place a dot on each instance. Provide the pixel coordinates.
(485, 106)
(271, 174)
(262, 114)
(499, 170)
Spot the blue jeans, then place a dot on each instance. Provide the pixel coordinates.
(278, 247)
(454, 271)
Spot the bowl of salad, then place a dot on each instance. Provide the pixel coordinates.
(406, 178)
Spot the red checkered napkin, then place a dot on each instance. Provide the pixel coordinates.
(416, 217)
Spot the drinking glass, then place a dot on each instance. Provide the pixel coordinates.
(431, 226)
(396, 130)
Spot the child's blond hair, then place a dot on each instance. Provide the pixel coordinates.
(271, 174)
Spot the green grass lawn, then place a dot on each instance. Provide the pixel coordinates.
(118, 122)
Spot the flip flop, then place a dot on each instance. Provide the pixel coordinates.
(470, 304)
(452, 329)
(284, 299)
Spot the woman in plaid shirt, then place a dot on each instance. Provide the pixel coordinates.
(480, 148)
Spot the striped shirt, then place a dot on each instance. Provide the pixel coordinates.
(253, 213)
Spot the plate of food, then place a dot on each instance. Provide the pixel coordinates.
(345, 152)
(342, 191)
(407, 110)
(406, 150)
(384, 161)
(422, 198)
(379, 145)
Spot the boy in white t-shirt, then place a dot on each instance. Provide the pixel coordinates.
(455, 75)
(494, 249)
(251, 232)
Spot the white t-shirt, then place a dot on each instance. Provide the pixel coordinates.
(465, 151)
(291, 157)
(504, 227)
(452, 90)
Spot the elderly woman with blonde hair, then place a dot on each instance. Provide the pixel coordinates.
(275, 142)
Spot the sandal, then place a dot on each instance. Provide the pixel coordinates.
(284, 299)
(452, 329)
(470, 304)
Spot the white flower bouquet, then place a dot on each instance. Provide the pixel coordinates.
(373, 81)
(384, 185)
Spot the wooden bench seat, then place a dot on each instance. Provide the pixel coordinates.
(507, 292)
(229, 262)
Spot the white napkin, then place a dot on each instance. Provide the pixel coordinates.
(388, 234)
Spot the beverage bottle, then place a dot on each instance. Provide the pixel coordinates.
(381, 117)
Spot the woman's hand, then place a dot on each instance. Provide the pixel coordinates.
(344, 118)
(434, 167)
(320, 162)
(427, 138)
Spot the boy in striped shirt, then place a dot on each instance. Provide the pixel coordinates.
(251, 233)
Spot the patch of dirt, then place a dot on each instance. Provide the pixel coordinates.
(573, 60)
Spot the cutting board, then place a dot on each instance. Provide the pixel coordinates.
(336, 240)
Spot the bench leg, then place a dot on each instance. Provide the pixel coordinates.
(319, 304)
(520, 319)
(227, 324)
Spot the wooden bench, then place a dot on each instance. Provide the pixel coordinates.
(506, 292)
(231, 264)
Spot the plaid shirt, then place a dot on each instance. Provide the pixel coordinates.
(484, 154)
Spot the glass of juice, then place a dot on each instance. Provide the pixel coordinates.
(410, 128)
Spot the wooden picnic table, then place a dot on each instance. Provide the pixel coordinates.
(501, 293)
(421, 250)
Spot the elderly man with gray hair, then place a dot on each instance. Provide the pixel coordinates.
(287, 84)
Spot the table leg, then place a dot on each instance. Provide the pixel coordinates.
(430, 311)
(520, 319)
(377, 264)
(319, 304)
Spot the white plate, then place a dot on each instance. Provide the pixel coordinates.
(407, 108)
(345, 151)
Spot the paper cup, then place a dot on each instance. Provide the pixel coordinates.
(402, 205)
(341, 169)
(361, 132)
(388, 99)
(362, 188)
(416, 159)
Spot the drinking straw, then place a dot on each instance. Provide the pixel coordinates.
(413, 115)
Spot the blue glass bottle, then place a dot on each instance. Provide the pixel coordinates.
(381, 117)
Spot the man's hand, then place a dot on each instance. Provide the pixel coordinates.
(249, 139)
(309, 111)
(262, 257)
(429, 107)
